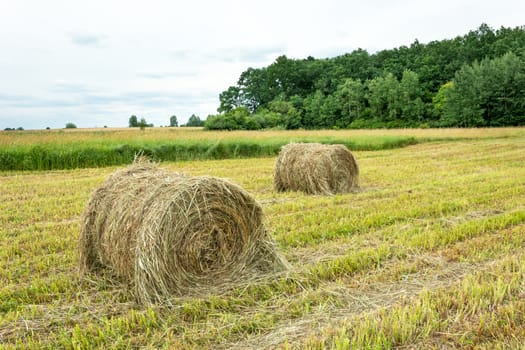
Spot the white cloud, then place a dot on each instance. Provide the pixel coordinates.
(83, 39)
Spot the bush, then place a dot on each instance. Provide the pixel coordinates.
(70, 126)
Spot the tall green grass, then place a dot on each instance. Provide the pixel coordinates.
(51, 156)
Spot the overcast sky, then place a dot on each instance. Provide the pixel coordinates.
(97, 62)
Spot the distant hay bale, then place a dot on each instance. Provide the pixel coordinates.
(167, 234)
(315, 168)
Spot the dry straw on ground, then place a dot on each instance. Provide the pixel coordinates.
(168, 235)
(315, 168)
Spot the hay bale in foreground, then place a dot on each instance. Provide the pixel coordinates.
(168, 234)
(315, 168)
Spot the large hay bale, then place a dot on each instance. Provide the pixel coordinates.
(315, 168)
(168, 234)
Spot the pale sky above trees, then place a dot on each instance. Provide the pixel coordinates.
(96, 63)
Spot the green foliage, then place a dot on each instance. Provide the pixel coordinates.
(142, 124)
(412, 106)
(279, 114)
(488, 93)
(13, 129)
(195, 121)
(267, 119)
(133, 122)
(396, 87)
(70, 125)
(320, 111)
(289, 115)
(350, 96)
(236, 119)
(384, 98)
(229, 99)
(439, 100)
(173, 121)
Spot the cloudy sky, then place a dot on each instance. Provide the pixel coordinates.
(97, 62)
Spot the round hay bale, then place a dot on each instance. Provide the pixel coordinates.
(168, 235)
(315, 168)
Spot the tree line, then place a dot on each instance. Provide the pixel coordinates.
(477, 79)
(134, 122)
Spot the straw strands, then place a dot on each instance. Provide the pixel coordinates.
(315, 168)
(167, 234)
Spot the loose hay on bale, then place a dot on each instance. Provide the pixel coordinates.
(315, 168)
(168, 235)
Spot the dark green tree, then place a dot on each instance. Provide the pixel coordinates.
(194, 121)
(489, 93)
(253, 89)
(384, 98)
(503, 90)
(236, 119)
(412, 106)
(351, 99)
(439, 100)
(313, 105)
(230, 99)
(290, 117)
(142, 124)
(173, 121)
(70, 125)
(133, 122)
(267, 119)
(463, 101)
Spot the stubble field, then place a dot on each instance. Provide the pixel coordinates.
(428, 254)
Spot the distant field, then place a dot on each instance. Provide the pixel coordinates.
(429, 254)
(81, 148)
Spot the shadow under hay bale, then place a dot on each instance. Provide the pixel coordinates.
(168, 235)
(315, 168)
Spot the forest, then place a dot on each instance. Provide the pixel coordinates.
(474, 80)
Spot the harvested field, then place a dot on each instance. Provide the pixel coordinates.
(428, 254)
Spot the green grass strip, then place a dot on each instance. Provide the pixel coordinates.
(87, 155)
